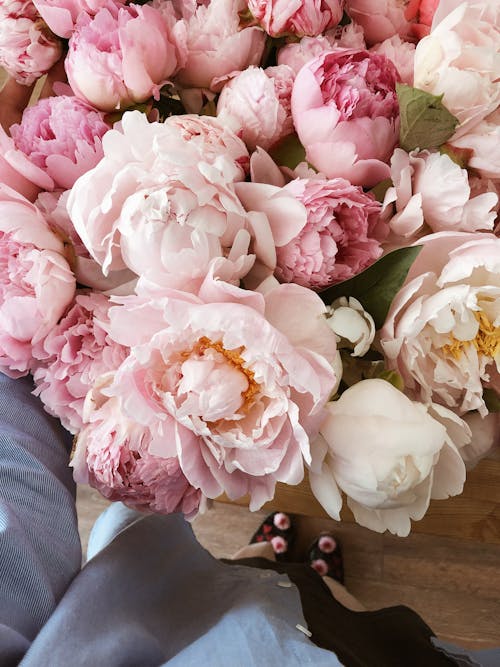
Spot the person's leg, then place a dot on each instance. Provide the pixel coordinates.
(40, 549)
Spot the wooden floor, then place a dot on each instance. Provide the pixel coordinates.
(453, 583)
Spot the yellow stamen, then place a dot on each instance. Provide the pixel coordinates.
(486, 341)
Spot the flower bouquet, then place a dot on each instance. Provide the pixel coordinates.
(245, 239)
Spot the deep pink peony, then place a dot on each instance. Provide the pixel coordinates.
(217, 45)
(157, 183)
(28, 49)
(235, 381)
(337, 236)
(73, 355)
(123, 55)
(296, 17)
(62, 136)
(113, 455)
(256, 104)
(346, 114)
(36, 282)
(61, 15)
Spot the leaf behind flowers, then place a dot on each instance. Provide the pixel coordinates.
(376, 287)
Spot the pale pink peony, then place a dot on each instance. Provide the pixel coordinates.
(157, 183)
(297, 54)
(87, 271)
(325, 231)
(442, 332)
(432, 192)
(388, 454)
(459, 59)
(61, 15)
(482, 142)
(296, 17)
(346, 114)
(401, 53)
(380, 20)
(217, 46)
(123, 55)
(113, 455)
(256, 104)
(36, 282)
(73, 355)
(62, 136)
(18, 172)
(28, 49)
(235, 380)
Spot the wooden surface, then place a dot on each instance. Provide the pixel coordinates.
(473, 515)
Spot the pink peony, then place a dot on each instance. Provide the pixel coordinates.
(432, 191)
(216, 45)
(482, 143)
(256, 104)
(297, 54)
(87, 271)
(401, 53)
(380, 20)
(28, 49)
(36, 285)
(61, 15)
(459, 59)
(113, 455)
(18, 172)
(62, 136)
(74, 354)
(442, 332)
(421, 13)
(123, 55)
(296, 17)
(157, 183)
(333, 236)
(235, 381)
(346, 114)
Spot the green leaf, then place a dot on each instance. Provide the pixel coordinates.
(288, 152)
(379, 190)
(492, 400)
(425, 121)
(377, 286)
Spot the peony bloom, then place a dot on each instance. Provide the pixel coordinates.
(256, 104)
(352, 324)
(27, 47)
(401, 53)
(123, 55)
(381, 20)
(36, 282)
(421, 13)
(18, 172)
(301, 18)
(113, 456)
(459, 60)
(482, 143)
(346, 114)
(325, 231)
(61, 15)
(62, 136)
(432, 191)
(74, 354)
(156, 182)
(297, 54)
(388, 454)
(235, 380)
(217, 46)
(442, 332)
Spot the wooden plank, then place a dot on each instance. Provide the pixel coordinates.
(474, 515)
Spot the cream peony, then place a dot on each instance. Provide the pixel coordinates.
(388, 454)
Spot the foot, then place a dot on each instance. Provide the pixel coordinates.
(325, 556)
(278, 530)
